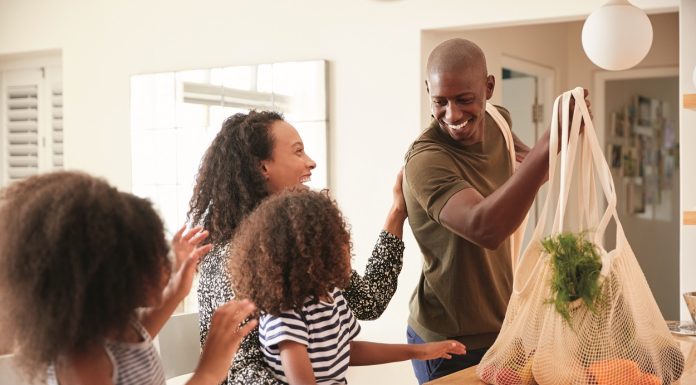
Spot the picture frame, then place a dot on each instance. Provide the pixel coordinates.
(618, 128)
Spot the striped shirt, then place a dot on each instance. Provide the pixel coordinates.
(133, 363)
(325, 328)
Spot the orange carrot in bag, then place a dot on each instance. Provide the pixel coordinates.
(649, 379)
(615, 372)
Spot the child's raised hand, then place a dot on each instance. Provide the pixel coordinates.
(440, 349)
(186, 242)
(224, 337)
(187, 255)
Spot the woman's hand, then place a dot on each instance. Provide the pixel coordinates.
(440, 349)
(225, 335)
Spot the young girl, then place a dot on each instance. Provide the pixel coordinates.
(77, 260)
(291, 256)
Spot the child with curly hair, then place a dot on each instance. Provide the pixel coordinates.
(85, 284)
(291, 256)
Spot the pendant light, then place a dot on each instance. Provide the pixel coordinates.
(617, 36)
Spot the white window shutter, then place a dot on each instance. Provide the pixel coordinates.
(54, 106)
(21, 124)
(31, 123)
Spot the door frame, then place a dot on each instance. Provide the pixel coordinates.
(546, 77)
(546, 80)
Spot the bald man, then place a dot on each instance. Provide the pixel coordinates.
(464, 202)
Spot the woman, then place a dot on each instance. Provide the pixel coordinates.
(253, 156)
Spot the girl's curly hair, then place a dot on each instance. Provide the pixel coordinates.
(294, 246)
(77, 257)
(229, 183)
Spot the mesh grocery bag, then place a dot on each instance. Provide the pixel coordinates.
(620, 338)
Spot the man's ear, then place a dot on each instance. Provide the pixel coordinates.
(490, 86)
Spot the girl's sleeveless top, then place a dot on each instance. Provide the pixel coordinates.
(133, 363)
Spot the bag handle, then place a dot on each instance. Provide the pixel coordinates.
(531, 257)
(594, 168)
(517, 237)
(603, 175)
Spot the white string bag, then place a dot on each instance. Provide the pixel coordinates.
(626, 340)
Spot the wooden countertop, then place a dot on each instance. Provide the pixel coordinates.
(687, 345)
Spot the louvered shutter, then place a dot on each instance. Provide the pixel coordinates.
(54, 131)
(57, 127)
(21, 91)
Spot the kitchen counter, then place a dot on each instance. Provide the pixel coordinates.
(687, 345)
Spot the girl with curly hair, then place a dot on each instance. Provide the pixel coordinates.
(254, 156)
(78, 259)
(291, 256)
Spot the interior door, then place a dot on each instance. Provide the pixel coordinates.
(519, 95)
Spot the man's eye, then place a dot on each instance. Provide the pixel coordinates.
(440, 103)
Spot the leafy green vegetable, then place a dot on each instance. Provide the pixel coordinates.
(576, 265)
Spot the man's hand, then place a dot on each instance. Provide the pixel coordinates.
(570, 118)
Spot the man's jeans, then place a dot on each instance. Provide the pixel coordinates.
(431, 369)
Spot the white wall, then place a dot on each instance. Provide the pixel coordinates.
(375, 78)
(687, 153)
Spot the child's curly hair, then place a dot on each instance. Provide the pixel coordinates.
(77, 257)
(295, 245)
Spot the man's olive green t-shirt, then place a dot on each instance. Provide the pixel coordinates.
(464, 289)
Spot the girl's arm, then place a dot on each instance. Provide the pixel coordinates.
(371, 353)
(187, 255)
(296, 364)
(369, 295)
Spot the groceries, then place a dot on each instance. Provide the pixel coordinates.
(576, 266)
(580, 314)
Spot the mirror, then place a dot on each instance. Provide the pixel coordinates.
(175, 116)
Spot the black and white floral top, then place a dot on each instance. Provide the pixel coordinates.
(367, 297)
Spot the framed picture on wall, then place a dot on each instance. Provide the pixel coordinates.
(635, 195)
(615, 154)
(645, 110)
(630, 167)
(618, 129)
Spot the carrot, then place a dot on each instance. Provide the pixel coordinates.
(648, 379)
(615, 372)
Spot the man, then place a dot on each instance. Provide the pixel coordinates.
(464, 202)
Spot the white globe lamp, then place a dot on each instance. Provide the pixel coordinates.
(617, 36)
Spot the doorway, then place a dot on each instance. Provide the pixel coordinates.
(527, 92)
(640, 111)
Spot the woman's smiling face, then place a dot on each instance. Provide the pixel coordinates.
(289, 165)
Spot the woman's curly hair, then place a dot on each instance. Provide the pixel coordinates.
(77, 257)
(292, 247)
(229, 183)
